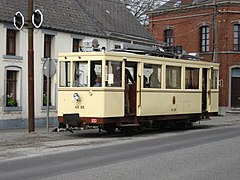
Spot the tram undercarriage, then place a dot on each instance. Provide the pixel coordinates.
(131, 123)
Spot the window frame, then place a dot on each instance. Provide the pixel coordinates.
(204, 39)
(76, 45)
(168, 37)
(47, 46)
(191, 71)
(236, 37)
(178, 81)
(11, 40)
(48, 53)
(113, 76)
(18, 90)
(147, 78)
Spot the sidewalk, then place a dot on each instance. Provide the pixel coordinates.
(228, 119)
(16, 143)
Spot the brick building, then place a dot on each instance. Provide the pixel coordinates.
(210, 29)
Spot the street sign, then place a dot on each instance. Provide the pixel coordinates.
(49, 67)
(37, 18)
(18, 20)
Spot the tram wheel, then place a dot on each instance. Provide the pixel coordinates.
(129, 130)
(110, 128)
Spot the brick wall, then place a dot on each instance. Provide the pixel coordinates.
(185, 25)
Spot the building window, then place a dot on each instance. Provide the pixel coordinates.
(47, 45)
(168, 35)
(205, 35)
(47, 54)
(45, 91)
(76, 45)
(12, 88)
(236, 42)
(11, 42)
(117, 46)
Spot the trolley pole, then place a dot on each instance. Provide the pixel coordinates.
(31, 123)
(214, 31)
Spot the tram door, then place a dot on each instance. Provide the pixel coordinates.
(130, 88)
(204, 90)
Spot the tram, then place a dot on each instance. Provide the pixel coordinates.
(127, 91)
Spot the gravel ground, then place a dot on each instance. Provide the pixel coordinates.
(18, 143)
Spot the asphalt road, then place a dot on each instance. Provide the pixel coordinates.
(196, 154)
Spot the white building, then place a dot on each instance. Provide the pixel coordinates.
(67, 26)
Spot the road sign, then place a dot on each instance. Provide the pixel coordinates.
(18, 20)
(49, 67)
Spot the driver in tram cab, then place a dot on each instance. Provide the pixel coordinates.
(97, 82)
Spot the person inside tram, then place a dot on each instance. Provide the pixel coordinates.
(93, 75)
(97, 82)
(154, 79)
(145, 81)
(128, 76)
(128, 79)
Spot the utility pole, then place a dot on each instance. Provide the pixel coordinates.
(31, 120)
(214, 31)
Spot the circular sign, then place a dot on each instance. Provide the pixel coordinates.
(49, 67)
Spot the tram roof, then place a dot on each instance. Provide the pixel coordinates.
(121, 55)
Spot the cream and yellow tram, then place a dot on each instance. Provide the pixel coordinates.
(125, 90)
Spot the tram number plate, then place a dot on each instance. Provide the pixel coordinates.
(93, 120)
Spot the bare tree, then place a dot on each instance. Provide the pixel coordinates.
(139, 8)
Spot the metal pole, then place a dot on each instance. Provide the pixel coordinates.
(49, 64)
(214, 31)
(31, 123)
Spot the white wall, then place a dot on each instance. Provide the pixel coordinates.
(62, 42)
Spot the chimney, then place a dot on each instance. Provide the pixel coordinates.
(185, 2)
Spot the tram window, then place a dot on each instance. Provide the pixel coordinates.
(64, 74)
(96, 74)
(129, 74)
(173, 77)
(152, 76)
(214, 82)
(192, 78)
(113, 74)
(80, 76)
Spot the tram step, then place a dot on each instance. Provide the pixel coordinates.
(129, 125)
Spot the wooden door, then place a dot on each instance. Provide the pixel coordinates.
(235, 92)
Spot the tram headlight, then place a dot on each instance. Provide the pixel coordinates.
(76, 96)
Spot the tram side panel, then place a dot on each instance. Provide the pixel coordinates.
(93, 105)
(214, 103)
(113, 104)
(86, 105)
(164, 103)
